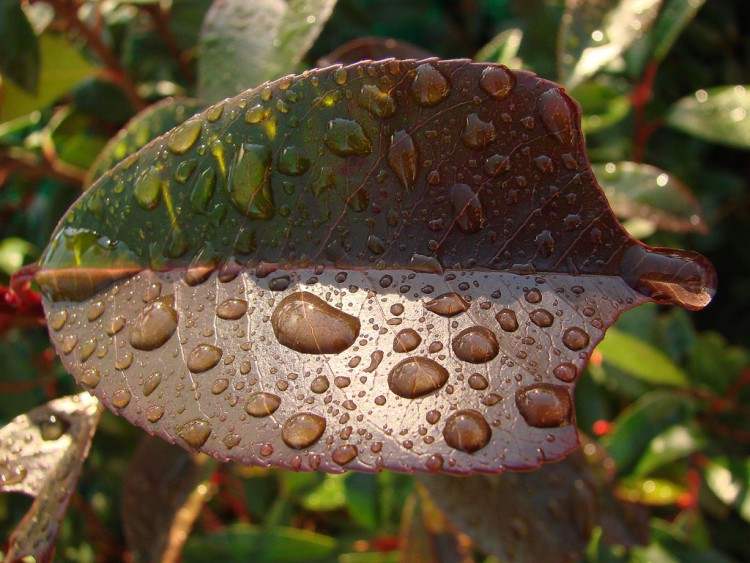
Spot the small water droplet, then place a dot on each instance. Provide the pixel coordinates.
(293, 161)
(542, 318)
(249, 183)
(447, 305)
(305, 323)
(497, 81)
(477, 133)
(496, 164)
(302, 430)
(148, 187)
(566, 372)
(377, 102)
(116, 324)
(375, 358)
(90, 377)
(478, 382)
(434, 463)
(203, 191)
(56, 318)
(95, 310)
(345, 137)
(344, 454)
(406, 340)
(69, 343)
(151, 383)
(575, 338)
(544, 405)
(558, 116)
(415, 377)
(214, 113)
(375, 244)
(184, 137)
(203, 357)
(397, 309)
(467, 431)
(195, 433)
(155, 324)
(545, 243)
(340, 76)
(123, 361)
(469, 215)
(121, 398)
(319, 385)
(476, 345)
(231, 309)
(507, 320)
(154, 413)
(53, 427)
(262, 404)
(533, 295)
(429, 87)
(402, 158)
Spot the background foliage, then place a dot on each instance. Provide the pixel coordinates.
(663, 87)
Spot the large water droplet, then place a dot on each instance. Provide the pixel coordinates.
(402, 158)
(469, 214)
(184, 137)
(148, 186)
(558, 116)
(293, 161)
(416, 377)
(305, 323)
(447, 305)
(249, 183)
(377, 102)
(575, 338)
(262, 404)
(476, 345)
(497, 81)
(545, 405)
(467, 430)
(406, 340)
(345, 137)
(195, 433)
(477, 133)
(429, 87)
(203, 357)
(302, 430)
(203, 191)
(155, 324)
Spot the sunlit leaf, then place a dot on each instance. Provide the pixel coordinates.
(244, 44)
(604, 104)
(729, 480)
(718, 115)
(596, 32)
(19, 48)
(402, 264)
(650, 491)
(674, 17)
(42, 453)
(373, 48)
(674, 443)
(503, 49)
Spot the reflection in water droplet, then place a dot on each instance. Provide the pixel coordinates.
(416, 377)
(249, 183)
(477, 133)
(566, 372)
(469, 214)
(447, 305)
(305, 323)
(406, 340)
(542, 318)
(195, 433)
(203, 357)
(345, 137)
(575, 338)
(467, 430)
(429, 87)
(497, 81)
(155, 324)
(377, 102)
(302, 430)
(184, 137)
(402, 158)
(262, 404)
(545, 405)
(476, 345)
(231, 309)
(344, 454)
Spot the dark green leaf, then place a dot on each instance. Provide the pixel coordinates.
(244, 44)
(718, 115)
(674, 443)
(19, 48)
(674, 17)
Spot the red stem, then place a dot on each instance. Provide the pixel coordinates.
(640, 98)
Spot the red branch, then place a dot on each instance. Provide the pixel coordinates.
(640, 98)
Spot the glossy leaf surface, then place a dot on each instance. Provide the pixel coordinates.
(41, 454)
(401, 264)
(244, 44)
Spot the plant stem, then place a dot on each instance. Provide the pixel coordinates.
(161, 21)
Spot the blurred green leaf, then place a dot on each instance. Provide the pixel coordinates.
(641, 422)
(651, 492)
(596, 32)
(503, 49)
(244, 44)
(670, 545)
(72, 140)
(102, 99)
(241, 543)
(640, 359)
(362, 499)
(19, 48)
(604, 104)
(330, 494)
(674, 17)
(14, 253)
(713, 363)
(674, 443)
(729, 479)
(62, 68)
(718, 115)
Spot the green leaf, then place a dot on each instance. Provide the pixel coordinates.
(604, 104)
(641, 360)
(62, 68)
(503, 49)
(674, 17)
(595, 33)
(362, 499)
(729, 480)
(71, 138)
(245, 44)
(718, 115)
(19, 48)
(306, 252)
(241, 543)
(641, 422)
(676, 442)
(651, 492)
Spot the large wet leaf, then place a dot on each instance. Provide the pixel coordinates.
(244, 44)
(41, 454)
(400, 264)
